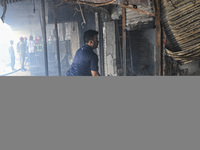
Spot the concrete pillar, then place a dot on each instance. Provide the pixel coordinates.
(97, 29)
(109, 49)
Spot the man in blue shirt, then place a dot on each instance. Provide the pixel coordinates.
(85, 62)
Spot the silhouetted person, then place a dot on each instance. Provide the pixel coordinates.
(26, 50)
(39, 54)
(22, 49)
(31, 51)
(12, 55)
(51, 45)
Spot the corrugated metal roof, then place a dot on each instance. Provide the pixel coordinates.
(133, 18)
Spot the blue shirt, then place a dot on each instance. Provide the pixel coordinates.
(84, 61)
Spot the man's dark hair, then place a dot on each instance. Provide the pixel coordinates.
(89, 35)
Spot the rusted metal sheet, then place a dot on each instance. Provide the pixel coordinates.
(138, 2)
(141, 15)
(138, 10)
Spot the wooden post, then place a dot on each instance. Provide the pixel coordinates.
(57, 40)
(124, 39)
(131, 52)
(44, 37)
(164, 53)
(159, 43)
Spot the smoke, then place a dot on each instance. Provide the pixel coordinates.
(6, 35)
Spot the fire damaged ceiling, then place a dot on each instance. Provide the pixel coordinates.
(4, 3)
(180, 19)
(136, 9)
(139, 13)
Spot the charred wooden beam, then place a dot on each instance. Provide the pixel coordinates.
(124, 39)
(159, 43)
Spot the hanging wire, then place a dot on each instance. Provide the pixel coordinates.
(59, 4)
(34, 6)
(94, 4)
(84, 22)
(101, 4)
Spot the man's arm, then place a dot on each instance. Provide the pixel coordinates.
(95, 73)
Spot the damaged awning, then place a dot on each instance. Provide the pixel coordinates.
(181, 23)
(4, 3)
